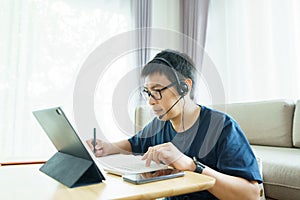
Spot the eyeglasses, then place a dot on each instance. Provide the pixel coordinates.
(155, 94)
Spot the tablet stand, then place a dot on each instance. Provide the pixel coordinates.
(72, 171)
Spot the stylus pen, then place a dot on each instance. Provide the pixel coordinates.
(94, 143)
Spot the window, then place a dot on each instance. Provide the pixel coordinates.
(255, 46)
(43, 44)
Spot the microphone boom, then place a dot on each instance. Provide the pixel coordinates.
(162, 115)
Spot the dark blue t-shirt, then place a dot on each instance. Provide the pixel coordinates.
(215, 139)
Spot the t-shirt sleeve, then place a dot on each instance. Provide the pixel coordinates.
(236, 157)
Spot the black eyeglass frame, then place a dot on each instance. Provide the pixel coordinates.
(150, 93)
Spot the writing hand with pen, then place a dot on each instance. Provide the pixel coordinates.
(99, 147)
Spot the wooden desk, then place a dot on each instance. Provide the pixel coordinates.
(27, 182)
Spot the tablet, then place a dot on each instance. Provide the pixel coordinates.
(72, 165)
(153, 176)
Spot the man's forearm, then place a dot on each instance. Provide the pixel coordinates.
(230, 187)
(122, 146)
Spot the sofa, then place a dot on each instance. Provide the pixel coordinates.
(273, 130)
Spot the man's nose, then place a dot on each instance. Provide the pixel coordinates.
(151, 100)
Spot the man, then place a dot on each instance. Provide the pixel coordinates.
(188, 136)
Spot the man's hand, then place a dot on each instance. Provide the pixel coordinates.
(169, 155)
(101, 148)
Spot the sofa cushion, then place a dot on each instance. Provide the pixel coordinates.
(143, 115)
(281, 171)
(296, 127)
(264, 123)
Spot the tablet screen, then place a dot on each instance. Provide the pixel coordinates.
(153, 176)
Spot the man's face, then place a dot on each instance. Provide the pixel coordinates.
(155, 82)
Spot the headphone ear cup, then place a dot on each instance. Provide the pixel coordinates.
(183, 88)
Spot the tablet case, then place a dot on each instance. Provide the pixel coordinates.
(72, 171)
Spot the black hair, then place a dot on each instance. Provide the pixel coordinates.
(181, 62)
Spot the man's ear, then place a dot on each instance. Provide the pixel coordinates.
(189, 82)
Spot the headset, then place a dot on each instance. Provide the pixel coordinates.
(181, 86)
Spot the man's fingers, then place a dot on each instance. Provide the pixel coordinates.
(99, 145)
(146, 155)
(99, 153)
(89, 143)
(149, 159)
(158, 154)
(155, 156)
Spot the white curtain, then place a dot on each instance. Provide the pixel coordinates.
(42, 46)
(255, 45)
(193, 22)
(142, 11)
